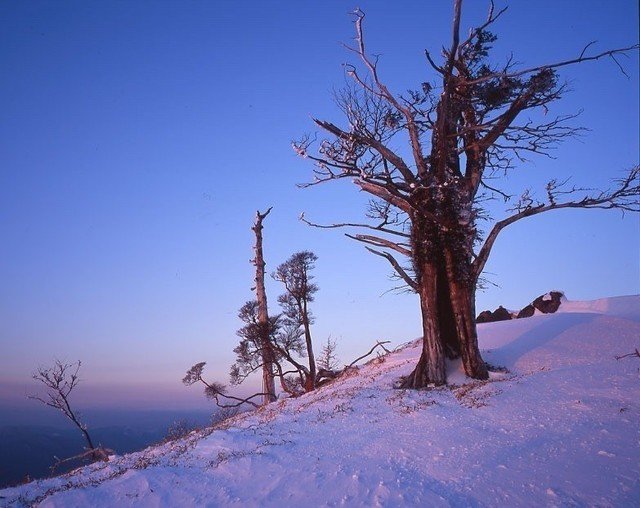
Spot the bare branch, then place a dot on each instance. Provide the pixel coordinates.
(94, 455)
(457, 8)
(379, 344)
(412, 127)
(435, 66)
(352, 225)
(383, 150)
(580, 59)
(388, 194)
(625, 197)
(382, 242)
(636, 353)
(396, 266)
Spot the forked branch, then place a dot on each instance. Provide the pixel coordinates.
(625, 197)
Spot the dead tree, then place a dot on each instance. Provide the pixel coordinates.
(60, 380)
(295, 275)
(268, 382)
(461, 130)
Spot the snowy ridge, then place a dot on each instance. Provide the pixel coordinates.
(626, 306)
(560, 428)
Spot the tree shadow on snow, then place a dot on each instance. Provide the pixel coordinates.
(541, 334)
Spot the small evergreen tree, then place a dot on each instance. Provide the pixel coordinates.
(328, 360)
(295, 275)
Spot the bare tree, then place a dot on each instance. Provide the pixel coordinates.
(426, 208)
(295, 275)
(268, 382)
(328, 359)
(60, 380)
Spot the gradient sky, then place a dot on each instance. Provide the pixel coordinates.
(137, 140)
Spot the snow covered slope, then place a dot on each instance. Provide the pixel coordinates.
(562, 427)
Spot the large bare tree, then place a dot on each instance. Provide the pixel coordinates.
(459, 132)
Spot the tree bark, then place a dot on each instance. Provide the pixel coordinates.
(446, 319)
(430, 369)
(268, 379)
(462, 298)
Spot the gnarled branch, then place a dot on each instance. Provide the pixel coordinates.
(625, 197)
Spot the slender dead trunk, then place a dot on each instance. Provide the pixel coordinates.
(75, 420)
(268, 380)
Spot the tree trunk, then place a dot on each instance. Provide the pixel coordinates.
(430, 369)
(309, 383)
(311, 379)
(268, 380)
(87, 437)
(464, 310)
(462, 297)
(446, 319)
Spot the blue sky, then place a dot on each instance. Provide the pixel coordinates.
(138, 139)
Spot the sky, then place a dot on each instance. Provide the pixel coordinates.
(138, 139)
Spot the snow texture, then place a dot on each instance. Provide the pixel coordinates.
(559, 428)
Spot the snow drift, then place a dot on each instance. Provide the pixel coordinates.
(558, 427)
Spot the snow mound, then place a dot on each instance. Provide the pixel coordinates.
(559, 428)
(624, 306)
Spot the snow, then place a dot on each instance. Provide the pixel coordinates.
(559, 429)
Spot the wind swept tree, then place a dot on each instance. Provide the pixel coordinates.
(59, 381)
(295, 275)
(461, 130)
(217, 391)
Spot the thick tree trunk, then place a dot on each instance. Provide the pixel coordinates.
(430, 369)
(268, 380)
(309, 383)
(462, 297)
(446, 319)
(464, 311)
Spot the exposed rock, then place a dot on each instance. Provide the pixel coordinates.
(500, 314)
(527, 311)
(548, 303)
(484, 317)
